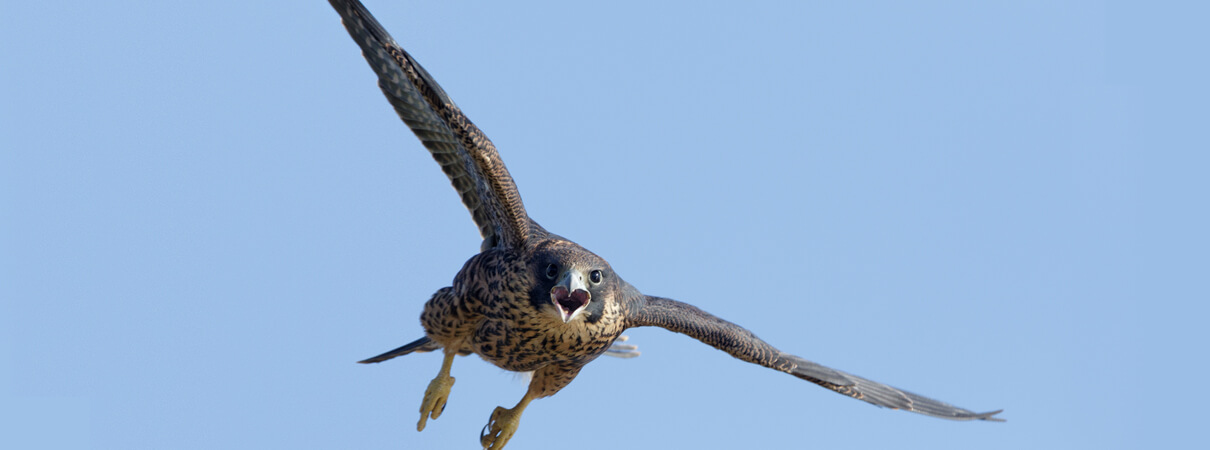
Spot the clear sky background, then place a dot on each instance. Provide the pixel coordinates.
(209, 212)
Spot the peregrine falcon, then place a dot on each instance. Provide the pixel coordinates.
(532, 301)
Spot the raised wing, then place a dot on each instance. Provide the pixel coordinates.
(464, 153)
(742, 344)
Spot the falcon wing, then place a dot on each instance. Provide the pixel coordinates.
(742, 344)
(464, 153)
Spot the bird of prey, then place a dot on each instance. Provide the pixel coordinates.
(532, 301)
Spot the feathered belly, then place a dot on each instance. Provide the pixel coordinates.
(526, 347)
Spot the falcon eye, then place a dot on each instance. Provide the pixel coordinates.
(595, 276)
(552, 271)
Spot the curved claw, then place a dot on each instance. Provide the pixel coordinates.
(483, 432)
(500, 428)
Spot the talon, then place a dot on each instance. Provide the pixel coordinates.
(500, 428)
(483, 434)
(435, 397)
(440, 408)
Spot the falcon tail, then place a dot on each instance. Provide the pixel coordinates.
(421, 345)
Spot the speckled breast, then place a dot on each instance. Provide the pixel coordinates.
(535, 340)
(488, 311)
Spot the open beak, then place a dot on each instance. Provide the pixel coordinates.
(570, 295)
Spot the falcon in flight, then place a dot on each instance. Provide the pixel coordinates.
(532, 301)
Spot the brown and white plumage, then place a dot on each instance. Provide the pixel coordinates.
(742, 344)
(466, 156)
(532, 301)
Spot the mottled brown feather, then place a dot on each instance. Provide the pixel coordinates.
(467, 157)
(742, 344)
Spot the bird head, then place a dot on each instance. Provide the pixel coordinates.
(573, 283)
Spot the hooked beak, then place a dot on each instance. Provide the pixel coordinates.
(570, 295)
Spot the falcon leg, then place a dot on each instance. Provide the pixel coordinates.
(503, 424)
(438, 392)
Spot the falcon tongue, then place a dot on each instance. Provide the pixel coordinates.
(569, 303)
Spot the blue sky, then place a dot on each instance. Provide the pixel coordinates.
(208, 212)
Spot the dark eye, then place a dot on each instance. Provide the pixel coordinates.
(595, 276)
(552, 271)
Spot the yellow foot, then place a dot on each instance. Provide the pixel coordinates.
(502, 424)
(434, 399)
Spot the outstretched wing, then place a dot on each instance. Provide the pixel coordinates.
(464, 153)
(742, 344)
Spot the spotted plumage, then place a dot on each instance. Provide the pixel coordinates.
(532, 301)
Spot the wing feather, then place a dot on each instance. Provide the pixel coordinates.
(742, 344)
(465, 154)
